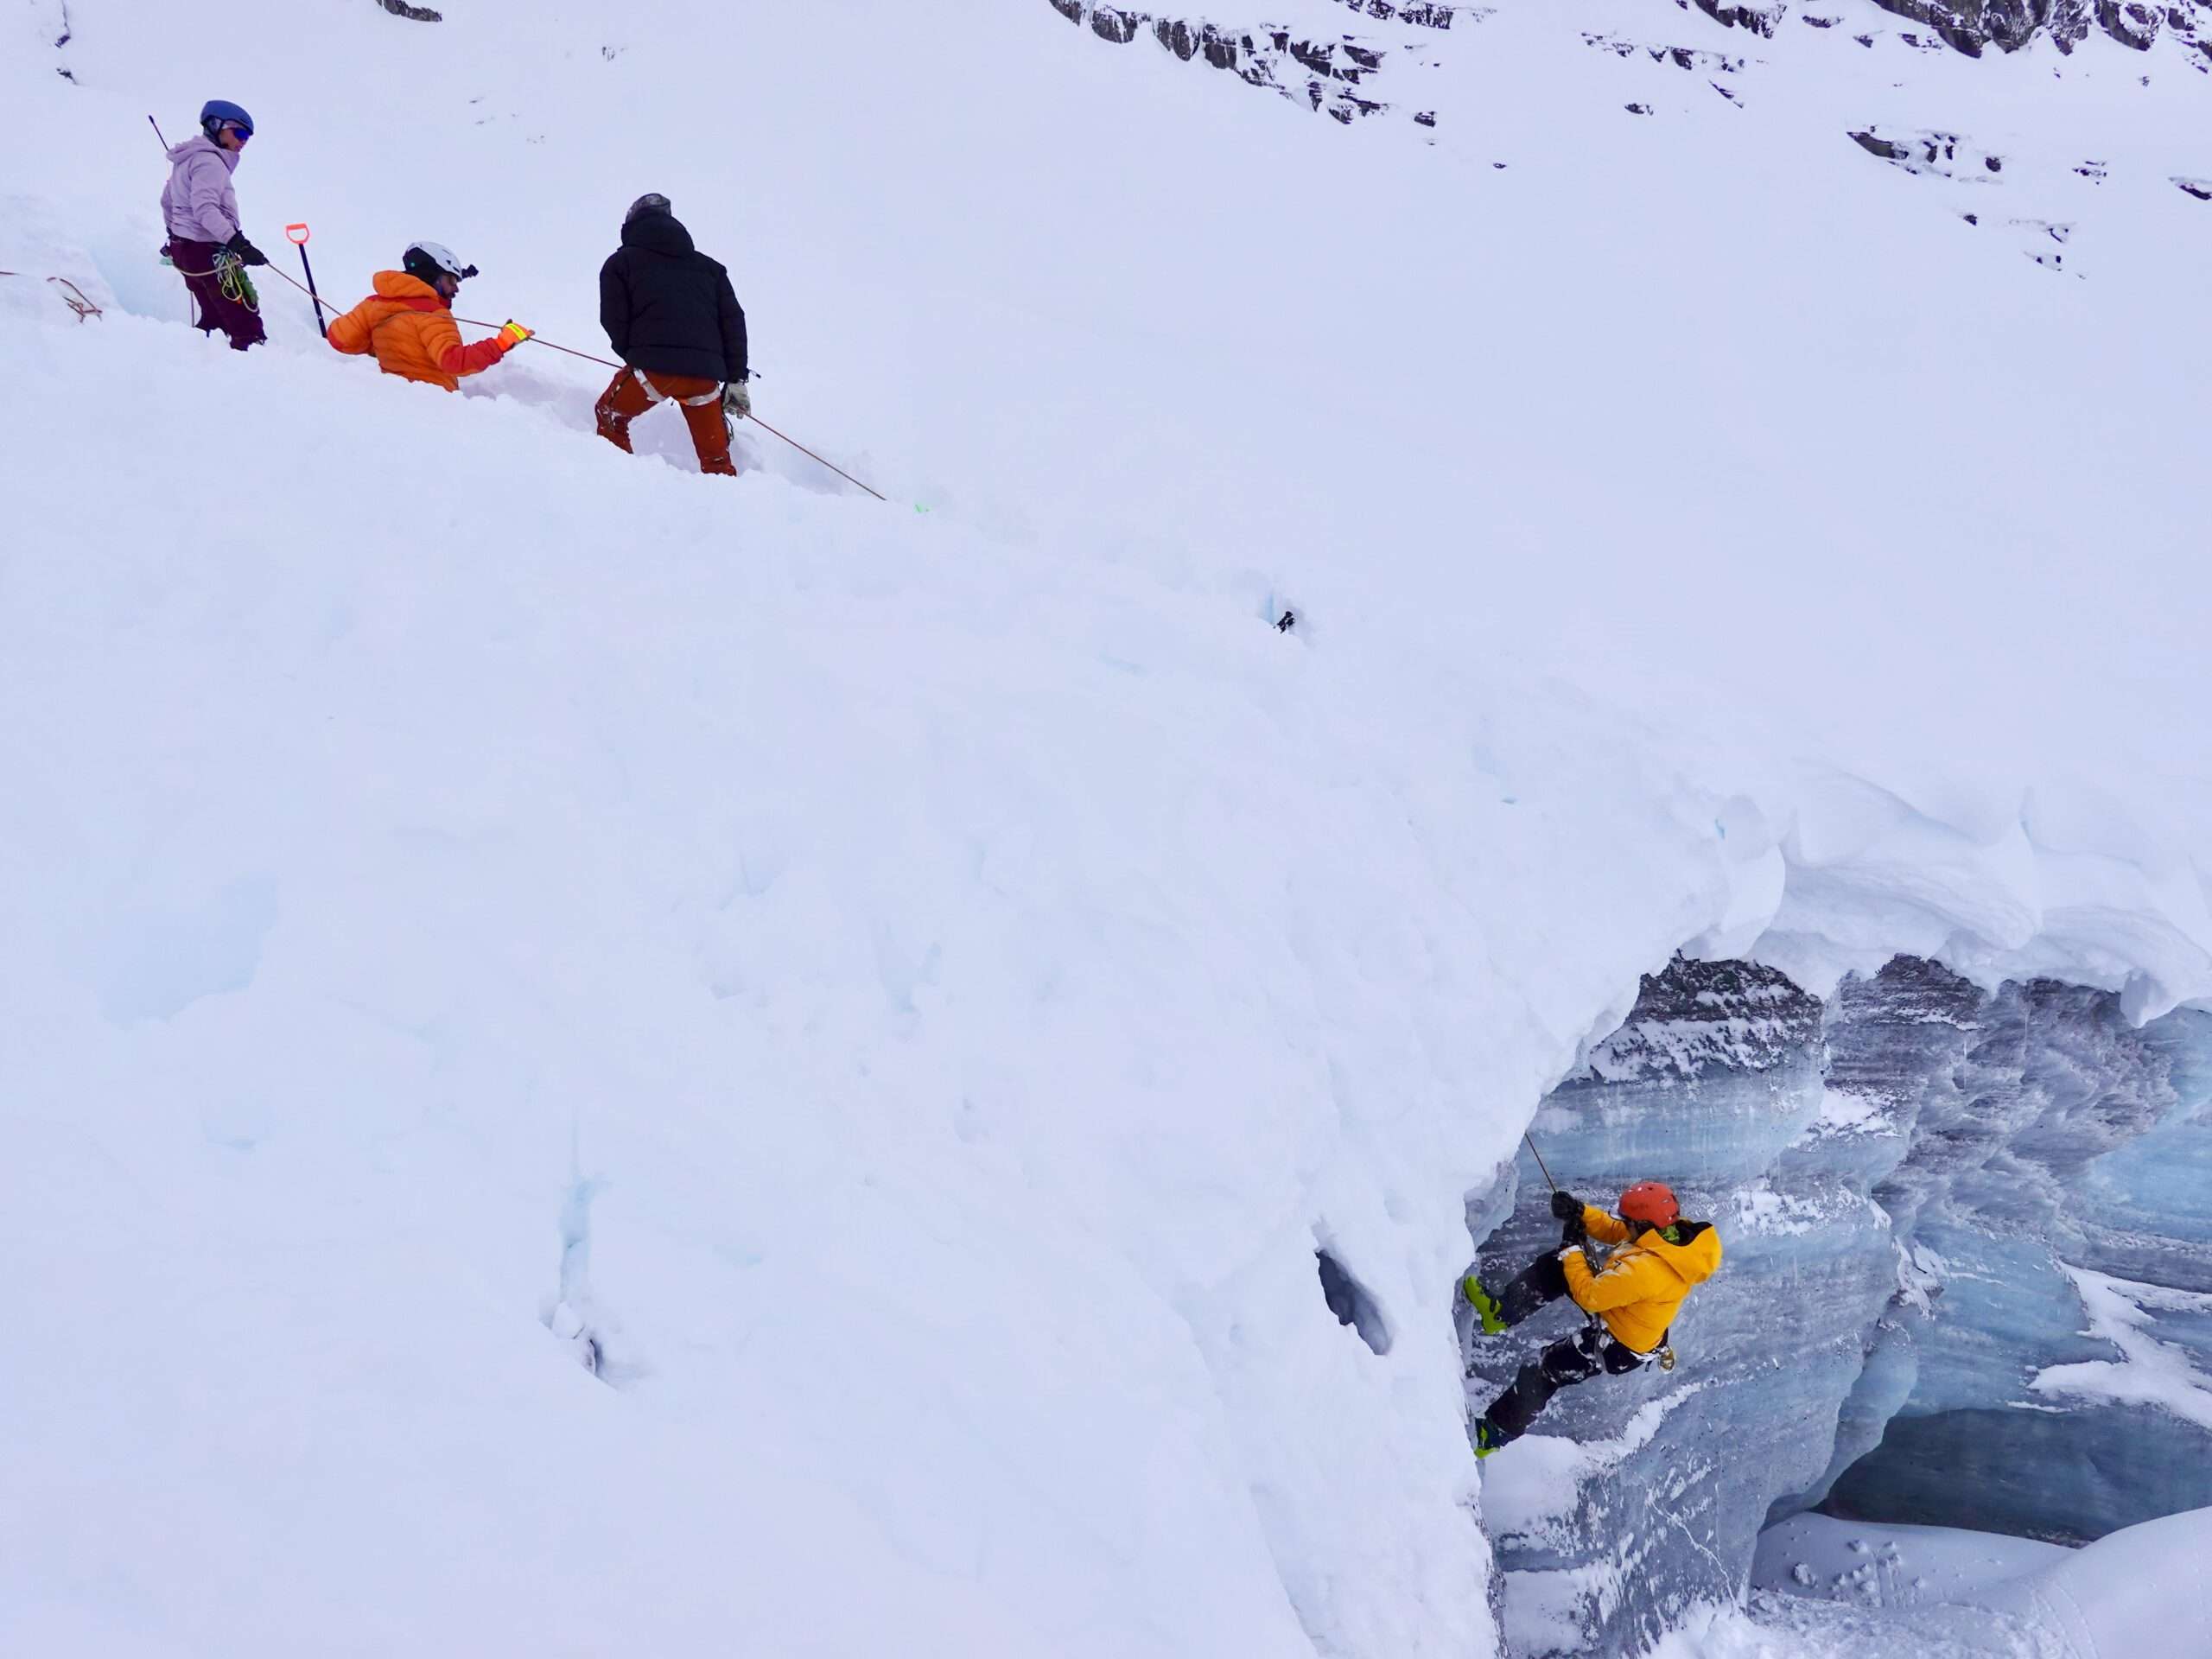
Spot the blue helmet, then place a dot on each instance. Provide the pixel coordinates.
(221, 112)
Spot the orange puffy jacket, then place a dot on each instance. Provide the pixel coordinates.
(410, 326)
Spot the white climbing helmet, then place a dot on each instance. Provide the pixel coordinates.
(424, 258)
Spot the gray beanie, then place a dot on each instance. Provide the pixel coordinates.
(652, 202)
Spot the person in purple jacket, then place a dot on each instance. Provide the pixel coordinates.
(200, 212)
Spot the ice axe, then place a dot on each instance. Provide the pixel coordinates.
(297, 235)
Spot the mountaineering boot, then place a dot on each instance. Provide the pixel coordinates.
(1484, 1304)
(1485, 1437)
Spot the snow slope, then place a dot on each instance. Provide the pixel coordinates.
(918, 988)
(2142, 1589)
(1817, 1556)
(881, 955)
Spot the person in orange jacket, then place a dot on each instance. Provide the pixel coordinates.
(408, 323)
(1657, 1259)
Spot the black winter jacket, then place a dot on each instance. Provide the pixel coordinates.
(668, 308)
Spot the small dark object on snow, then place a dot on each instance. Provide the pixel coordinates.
(1287, 622)
(418, 14)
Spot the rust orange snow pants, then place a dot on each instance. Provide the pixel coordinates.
(633, 392)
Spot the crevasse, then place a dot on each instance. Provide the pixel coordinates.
(1969, 1239)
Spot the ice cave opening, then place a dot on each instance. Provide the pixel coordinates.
(1968, 1284)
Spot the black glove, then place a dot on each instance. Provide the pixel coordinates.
(1566, 1206)
(245, 250)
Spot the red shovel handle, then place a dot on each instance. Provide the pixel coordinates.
(298, 234)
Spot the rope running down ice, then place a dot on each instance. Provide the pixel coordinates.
(1531, 1139)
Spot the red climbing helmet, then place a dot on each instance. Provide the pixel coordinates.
(1652, 1203)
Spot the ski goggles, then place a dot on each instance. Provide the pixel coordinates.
(243, 133)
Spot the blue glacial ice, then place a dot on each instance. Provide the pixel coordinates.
(1965, 1282)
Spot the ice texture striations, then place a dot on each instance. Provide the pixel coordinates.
(1966, 1260)
(2058, 1191)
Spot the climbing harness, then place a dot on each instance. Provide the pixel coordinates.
(1663, 1356)
(655, 395)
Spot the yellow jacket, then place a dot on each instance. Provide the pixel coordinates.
(1645, 1280)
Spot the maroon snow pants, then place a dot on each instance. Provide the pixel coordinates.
(195, 263)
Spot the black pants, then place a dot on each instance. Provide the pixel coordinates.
(1566, 1362)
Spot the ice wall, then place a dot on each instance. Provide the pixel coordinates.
(2058, 1190)
(1965, 1251)
(1656, 1493)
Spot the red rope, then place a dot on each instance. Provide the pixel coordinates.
(76, 299)
(83, 306)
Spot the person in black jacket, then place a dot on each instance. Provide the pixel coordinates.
(674, 320)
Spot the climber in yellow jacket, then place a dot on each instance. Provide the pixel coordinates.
(1655, 1260)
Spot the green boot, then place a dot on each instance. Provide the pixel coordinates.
(1484, 1437)
(1484, 1304)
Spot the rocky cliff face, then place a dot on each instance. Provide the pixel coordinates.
(1328, 75)
(1337, 74)
(1976, 25)
(1969, 1244)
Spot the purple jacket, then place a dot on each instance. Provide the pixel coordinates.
(198, 202)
